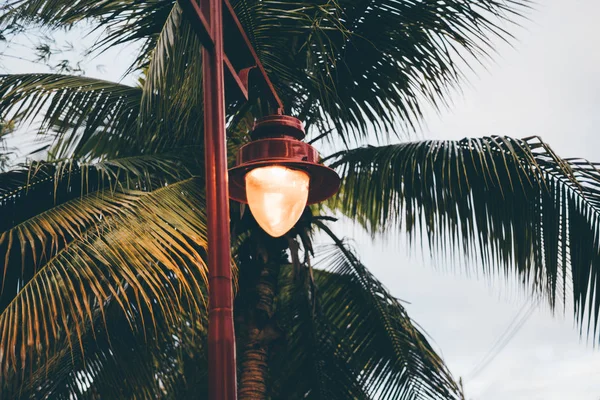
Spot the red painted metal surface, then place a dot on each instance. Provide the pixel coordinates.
(241, 85)
(265, 77)
(278, 126)
(200, 22)
(221, 337)
(277, 142)
(281, 148)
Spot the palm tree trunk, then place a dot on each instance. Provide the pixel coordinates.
(260, 327)
(253, 383)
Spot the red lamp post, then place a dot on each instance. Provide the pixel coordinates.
(277, 153)
(221, 335)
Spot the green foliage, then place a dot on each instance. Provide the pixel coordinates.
(83, 239)
(5, 129)
(508, 202)
(393, 358)
(86, 116)
(339, 333)
(347, 65)
(126, 364)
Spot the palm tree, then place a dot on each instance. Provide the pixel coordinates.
(104, 279)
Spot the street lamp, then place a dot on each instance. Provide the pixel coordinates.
(277, 174)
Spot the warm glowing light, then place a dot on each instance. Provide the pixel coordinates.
(277, 196)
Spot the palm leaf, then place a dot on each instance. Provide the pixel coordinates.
(512, 203)
(28, 190)
(6, 128)
(331, 61)
(172, 101)
(78, 200)
(152, 244)
(314, 361)
(332, 66)
(45, 206)
(166, 363)
(120, 21)
(89, 117)
(393, 359)
(351, 64)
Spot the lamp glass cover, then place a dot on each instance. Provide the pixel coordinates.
(277, 196)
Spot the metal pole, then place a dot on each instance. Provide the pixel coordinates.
(221, 338)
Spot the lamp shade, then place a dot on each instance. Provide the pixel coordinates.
(277, 196)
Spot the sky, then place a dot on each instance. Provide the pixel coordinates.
(546, 84)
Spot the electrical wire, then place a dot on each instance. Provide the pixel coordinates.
(509, 333)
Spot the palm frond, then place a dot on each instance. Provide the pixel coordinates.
(119, 21)
(47, 206)
(171, 113)
(314, 360)
(163, 52)
(512, 203)
(350, 64)
(28, 190)
(151, 242)
(6, 128)
(330, 61)
(173, 99)
(79, 201)
(392, 357)
(165, 363)
(89, 117)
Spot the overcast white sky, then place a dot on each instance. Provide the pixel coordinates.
(547, 85)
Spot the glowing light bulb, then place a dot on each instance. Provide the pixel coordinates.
(277, 196)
